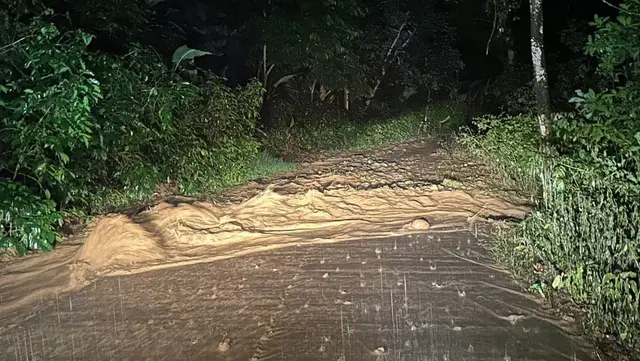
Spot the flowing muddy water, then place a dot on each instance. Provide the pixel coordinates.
(354, 257)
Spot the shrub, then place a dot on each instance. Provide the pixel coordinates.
(585, 232)
(592, 199)
(46, 98)
(47, 93)
(510, 144)
(93, 132)
(27, 221)
(217, 138)
(588, 238)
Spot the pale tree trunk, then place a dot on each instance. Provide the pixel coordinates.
(312, 90)
(541, 85)
(264, 66)
(346, 100)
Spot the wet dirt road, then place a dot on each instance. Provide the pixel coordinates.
(429, 297)
(425, 292)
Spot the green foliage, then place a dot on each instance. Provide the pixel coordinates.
(134, 119)
(588, 238)
(336, 132)
(95, 132)
(512, 91)
(217, 140)
(26, 220)
(510, 144)
(608, 129)
(598, 188)
(46, 97)
(186, 53)
(585, 233)
(155, 128)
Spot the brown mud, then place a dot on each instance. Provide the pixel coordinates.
(353, 256)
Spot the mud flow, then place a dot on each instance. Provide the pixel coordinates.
(352, 257)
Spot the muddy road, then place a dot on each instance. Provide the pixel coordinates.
(352, 257)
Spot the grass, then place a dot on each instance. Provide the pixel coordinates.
(580, 246)
(263, 166)
(266, 165)
(510, 146)
(334, 135)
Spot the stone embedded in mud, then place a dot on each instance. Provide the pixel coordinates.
(420, 224)
(224, 346)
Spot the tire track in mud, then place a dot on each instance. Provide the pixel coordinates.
(358, 256)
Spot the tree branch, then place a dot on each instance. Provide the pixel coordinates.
(387, 60)
(395, 41)
(493, 29)
(619, 8)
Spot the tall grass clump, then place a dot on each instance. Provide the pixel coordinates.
(510, 144)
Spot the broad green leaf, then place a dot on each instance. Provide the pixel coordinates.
(186, 53)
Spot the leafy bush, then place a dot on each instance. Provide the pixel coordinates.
(585, 234)
(594, 194)
(93, 132)
(46, 98)
(218, 139)
(588, 239)
(156, 128)
(47, 94)
(27, 221)
(511, 145)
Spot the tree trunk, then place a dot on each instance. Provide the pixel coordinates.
(346, 99)
(511, 53)
(541, 86)
(264, 66)
(312, 90)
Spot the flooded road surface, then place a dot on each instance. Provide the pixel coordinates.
(393, 270)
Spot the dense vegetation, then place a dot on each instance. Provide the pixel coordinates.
(107, 104)
(583, 241)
